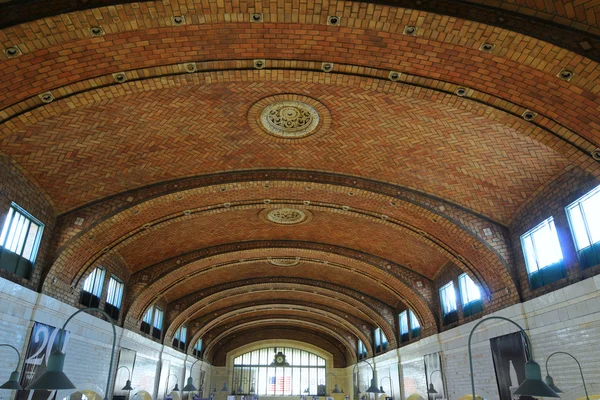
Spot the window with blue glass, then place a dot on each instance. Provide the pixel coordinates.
(180, 338)
(543, 256)
(409, 325)
(403, 325)
(152, 322)
(114, 297)
(470, 295)
(362, 350)
(415, 326)
(448, 302)
(381, 342)
(19, 241)
(584, 219)
(198, 348)
(92, 288)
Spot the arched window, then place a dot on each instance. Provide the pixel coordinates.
(279, 371)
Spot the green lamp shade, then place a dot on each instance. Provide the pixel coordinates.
(373, 388)
(190, 386)
(431, 389)
(533, 385)
(225, 388)
(13, 382)
(335, 389)
(54, 378)
(381, 389)
(127, 385)
(176, 388)
(550, 382)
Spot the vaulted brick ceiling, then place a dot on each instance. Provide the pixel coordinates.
(172, 172)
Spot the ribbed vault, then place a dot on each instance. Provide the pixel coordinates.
(439, 124)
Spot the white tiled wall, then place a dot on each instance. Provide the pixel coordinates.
(565, 320)
(90, 343)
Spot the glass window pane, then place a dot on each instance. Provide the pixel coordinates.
(403, 320)
(545, 241)
(414, 322)
(468, 289)
(529, 252)
(578, 227)
(591, 209)
(448, 298)
(158, 318)
(148, 316)
(7, 223)
(30, 242)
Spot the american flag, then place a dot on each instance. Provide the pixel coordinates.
(280, 384)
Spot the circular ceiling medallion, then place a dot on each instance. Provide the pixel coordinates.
(286, 216)
(289, 119)
(289, 116)
(285, 262)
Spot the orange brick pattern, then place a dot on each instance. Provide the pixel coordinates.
(408, 184)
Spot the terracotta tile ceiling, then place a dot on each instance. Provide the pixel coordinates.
(146, 121)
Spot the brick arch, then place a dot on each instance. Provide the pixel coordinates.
(379, 314)
(552, 108)
(420, 211)
(420, 298)
(177, 223)
(551, 66)
(554, 139)
(539, 20)
(267, 310)
(397, 283)
(301, 324)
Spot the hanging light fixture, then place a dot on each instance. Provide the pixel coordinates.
(13, 382)
(54, 378)
(391, 385)
(431, 389)
(550, 381)
(128, 383)
(533, 385)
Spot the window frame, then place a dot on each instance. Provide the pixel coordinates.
(362, 350)
(90, 298)
(404, 336)
(415, 331)
(587, 256)
(157, 331)
(179, 334)
(112, 309)
(380, 341)
(469, 307)
(149, 320)
(197, 351)
(448, 316)
(21, 266)
(546, 274)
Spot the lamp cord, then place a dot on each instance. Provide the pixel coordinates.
(529, 350)
(579, 365)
